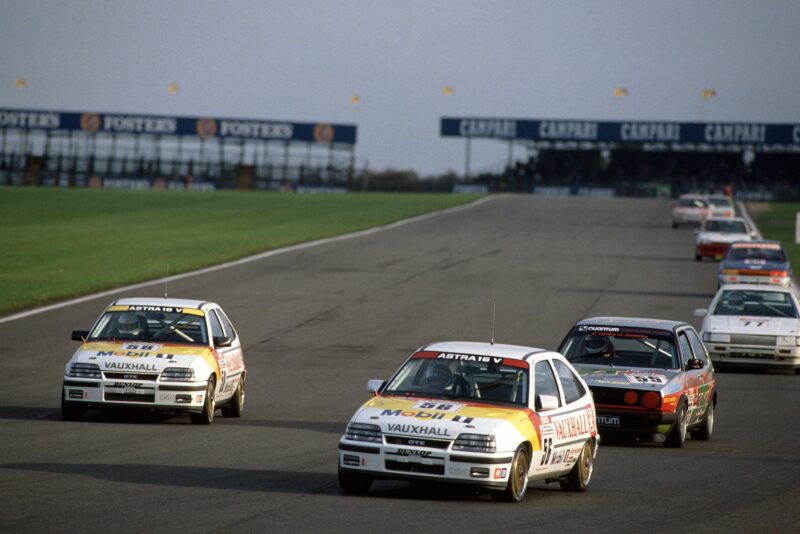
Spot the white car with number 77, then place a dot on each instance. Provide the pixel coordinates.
(495, 416)
(167, 355)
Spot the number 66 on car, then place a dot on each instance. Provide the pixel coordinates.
(496, 416)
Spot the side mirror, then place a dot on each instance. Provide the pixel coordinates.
(754, 235)
(546, 403)
(79, 335)
(222, 341)
(694, 364)
(375, 385)
(700, 312)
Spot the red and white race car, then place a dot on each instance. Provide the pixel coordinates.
(691, 208)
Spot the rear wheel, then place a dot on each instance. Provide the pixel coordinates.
(698, 257)
(354, 483)
(704, 432)
(71, 411)
(236, 407)
(578, 479)
(677, 435)
(518, 478)
(206, 417)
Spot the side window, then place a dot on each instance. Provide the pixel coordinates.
(697, 346)
(216, 328)
(545, 381)
(573, 389)
(683, 343)
(226, 324)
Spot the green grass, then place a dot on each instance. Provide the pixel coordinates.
(61, 243)
(777, 221)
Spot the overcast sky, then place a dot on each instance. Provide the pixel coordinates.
(303, 60)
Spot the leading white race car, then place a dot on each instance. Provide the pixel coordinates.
(492, 415)
(753, 326)
(717, 233)
(170, 355)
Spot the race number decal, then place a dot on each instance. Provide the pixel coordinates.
(438, 406)
(640, 378)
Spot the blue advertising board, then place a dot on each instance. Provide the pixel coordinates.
(715, 133)
(265, 130)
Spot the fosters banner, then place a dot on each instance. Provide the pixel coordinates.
(623, 132)
(165, 125)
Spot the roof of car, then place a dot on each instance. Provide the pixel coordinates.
(633, 322)
(756, 242)
(739, 219)
(756, 287)
(175, 303)
(518, 352)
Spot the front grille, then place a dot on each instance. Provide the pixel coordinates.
(414, 468)
(418, 442)
(132, 376)
(129, 397)
(751, 339)
(609, 395)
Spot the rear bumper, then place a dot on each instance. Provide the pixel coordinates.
(610, 420)
(784, 281)
(712, 249)
(728, 355)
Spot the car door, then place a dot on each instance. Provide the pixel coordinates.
(700, 381)
(232, 354)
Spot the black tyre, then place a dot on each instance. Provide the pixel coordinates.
(677, 436)
(71, 411)
(674, 225)
(354, 483)
(236, 406)
(704, 431)
(518, 477)
(698, 257)
(578, 479)
(206, 417)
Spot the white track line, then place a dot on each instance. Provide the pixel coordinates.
(746, 216)
(242, 261)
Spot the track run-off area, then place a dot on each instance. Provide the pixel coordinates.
(317, 322)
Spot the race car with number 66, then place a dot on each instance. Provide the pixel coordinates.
(167, 355)
(494, 416)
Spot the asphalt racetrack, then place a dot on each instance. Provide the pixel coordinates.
(316, 324)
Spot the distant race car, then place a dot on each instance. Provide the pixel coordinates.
(154, 354)
(690, 208)
(495, 416)
(721, 206)
(755, 262)
(651, 379)
(717, 233)
(753, 326)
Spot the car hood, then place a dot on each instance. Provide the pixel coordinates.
(627, 377)
(722, 237)
(139, 357)
(436, 418)
(743, 324)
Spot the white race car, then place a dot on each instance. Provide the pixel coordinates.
(691, 209)
(717, 233)
(721, 206)
(753, 326)
(492, 415)
(170, 355)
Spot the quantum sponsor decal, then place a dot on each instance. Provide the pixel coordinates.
(29, 119)
(206, 127)
(323, 133)
(592, 328)
(90, 122)
(608, 420)
(419, 430)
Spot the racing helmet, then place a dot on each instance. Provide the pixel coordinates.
(598, 346)
(128, 324)
(439, 376)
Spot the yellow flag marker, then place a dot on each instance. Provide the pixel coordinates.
(448, 91)
(22, 83)
(173, 88)
(619, 92)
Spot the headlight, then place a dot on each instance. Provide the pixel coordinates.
(84, 370)
(177, 374)
(717, 338)
(363, 432)
(475, 443)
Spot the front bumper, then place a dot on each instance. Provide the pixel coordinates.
(406, 462)
(755, 356)
(148, 395)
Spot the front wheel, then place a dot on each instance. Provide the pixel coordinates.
(677, 435)
(206, 417)
(578, 479)
(704, 432)
(354, 483)
(518, 478)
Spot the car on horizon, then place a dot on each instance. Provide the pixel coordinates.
(755, 326)
(755, 262)
(157, 354)
(717, 233)
(721, 206)
(651, 379)
(690, 209)
(489, 415)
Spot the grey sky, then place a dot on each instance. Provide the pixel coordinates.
(302, 60)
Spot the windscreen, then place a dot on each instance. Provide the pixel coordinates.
(720, 202)
(691, 203)
(486, 379)
(756, 303)
(767, 253)
(621, 346)
(177, 325)
(729, 227)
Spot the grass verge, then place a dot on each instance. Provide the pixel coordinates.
(777, 221)
(61, 243)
